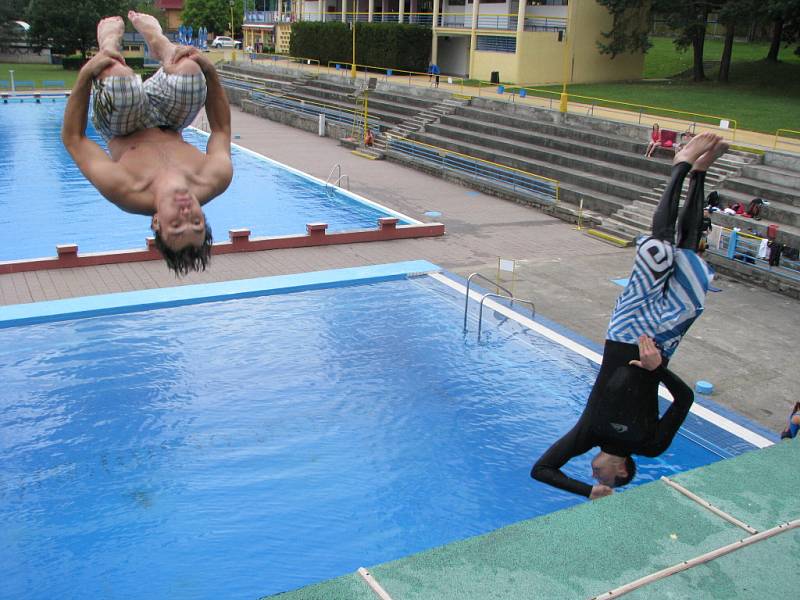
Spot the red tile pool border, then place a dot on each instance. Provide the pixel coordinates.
(240, 241)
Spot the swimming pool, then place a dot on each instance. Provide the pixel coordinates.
(278, 432)
(45, 200)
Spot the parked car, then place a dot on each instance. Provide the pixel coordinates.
(223, 41)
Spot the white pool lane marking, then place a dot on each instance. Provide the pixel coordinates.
(701, 411)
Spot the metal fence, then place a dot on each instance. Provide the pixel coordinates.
(336, 115)
(750, 249)
(542, 188)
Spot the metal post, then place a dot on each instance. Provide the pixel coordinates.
(11, 73)
(732, 240)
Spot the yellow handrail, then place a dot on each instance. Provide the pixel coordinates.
(777, 135)
(290, 58)
(441, 150)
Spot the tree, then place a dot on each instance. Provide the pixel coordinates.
(732, 13)
(10, 11)
(629, 31)
(785, 17)
(215, 15)
(69, 26)
(688, 18)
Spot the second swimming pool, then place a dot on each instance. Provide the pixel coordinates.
(244, 446)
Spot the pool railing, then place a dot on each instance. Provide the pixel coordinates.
(744, 248)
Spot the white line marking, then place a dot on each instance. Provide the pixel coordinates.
(374, 585)
(701, 411)
(706, 504)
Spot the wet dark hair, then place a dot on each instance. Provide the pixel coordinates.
(189, 258)
(630, 466)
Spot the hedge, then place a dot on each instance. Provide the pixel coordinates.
(74, 63)
(387, 45)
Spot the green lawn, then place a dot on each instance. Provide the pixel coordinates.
(38, 73)
(760, 96)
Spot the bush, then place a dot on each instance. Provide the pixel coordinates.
(386, 45)
(74, 63)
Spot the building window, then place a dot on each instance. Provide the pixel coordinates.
(496, 43)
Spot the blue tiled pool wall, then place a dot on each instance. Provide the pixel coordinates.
(459, 422)
(45, 200)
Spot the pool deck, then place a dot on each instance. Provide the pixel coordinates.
(745, 343)
(593, 548)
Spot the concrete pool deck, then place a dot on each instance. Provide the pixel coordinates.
(593, 548)
(744, 344)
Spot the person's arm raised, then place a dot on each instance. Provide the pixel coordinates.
(91, 159)
(218, 112)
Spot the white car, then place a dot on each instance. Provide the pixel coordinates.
(223, 41)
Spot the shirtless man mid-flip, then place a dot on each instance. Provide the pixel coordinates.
(152, 170)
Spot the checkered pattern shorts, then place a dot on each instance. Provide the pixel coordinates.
(124, 105)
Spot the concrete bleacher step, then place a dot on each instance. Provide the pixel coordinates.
(756, 188)
(555, 158)
(590, 150)
(623, 192)
(773, 175)
(608, 236)
(608, 140)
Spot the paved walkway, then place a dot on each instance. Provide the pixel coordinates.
(746, 343)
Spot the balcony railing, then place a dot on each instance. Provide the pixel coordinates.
(266, 16)
(454, 20)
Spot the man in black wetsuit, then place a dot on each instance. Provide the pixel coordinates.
(663, 297)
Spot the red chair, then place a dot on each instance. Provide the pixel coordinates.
(668, 138)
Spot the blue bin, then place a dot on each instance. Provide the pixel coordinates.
(501, 89)
(523, 92)
(338, 66)
(388, 72)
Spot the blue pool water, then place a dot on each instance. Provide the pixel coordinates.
(45, 200)
(242, 448)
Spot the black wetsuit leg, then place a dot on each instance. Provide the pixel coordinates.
(666, 214)
(690, 222)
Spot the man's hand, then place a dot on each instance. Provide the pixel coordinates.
(194, 54)
(599, 491)
(101, 61)
(649, 355)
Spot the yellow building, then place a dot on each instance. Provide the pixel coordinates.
(525, 42)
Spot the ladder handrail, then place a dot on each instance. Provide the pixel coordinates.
(343, 177)
(485, 296)
(333, 168)
(486, 279)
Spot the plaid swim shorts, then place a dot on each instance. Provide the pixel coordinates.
(124, 105)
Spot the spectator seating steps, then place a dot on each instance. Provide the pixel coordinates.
(557, 142)
(754, 188)
(600, 194)
(556, 158)
(530, 123)
(782, 177)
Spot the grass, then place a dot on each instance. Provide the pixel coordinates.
(760, 96)
(38, 73)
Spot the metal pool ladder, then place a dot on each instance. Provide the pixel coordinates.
(337, 168)
(508, 296)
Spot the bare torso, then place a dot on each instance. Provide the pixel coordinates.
(150, 153)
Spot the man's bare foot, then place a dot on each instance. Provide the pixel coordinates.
(109, 33)
(697, 146)
(707, 159)
(160, 47)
